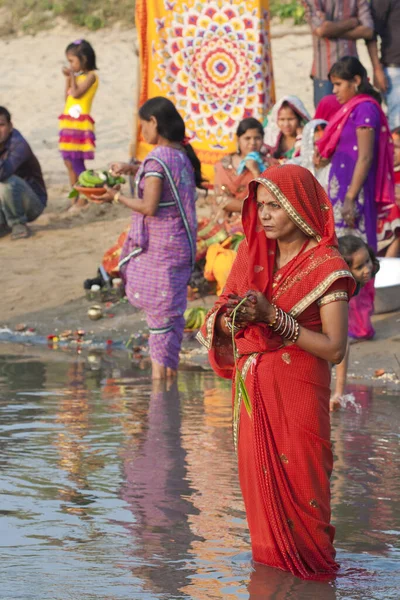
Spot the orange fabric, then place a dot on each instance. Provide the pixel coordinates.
(284, 450)
(141, 28)
(213, 60)
(237, 185)
(219, 261)
(112, 256)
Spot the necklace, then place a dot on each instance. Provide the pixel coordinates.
(302, 249)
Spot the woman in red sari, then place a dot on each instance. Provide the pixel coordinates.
(292, 324)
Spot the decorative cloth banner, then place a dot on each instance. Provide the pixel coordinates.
(213, 60)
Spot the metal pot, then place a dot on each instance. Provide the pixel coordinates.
(95, 312)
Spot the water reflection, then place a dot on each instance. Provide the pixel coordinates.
(114, 488)
(76, 456)
(157, 491)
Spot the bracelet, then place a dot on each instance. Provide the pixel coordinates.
(295, 337)
(285, 325)
(116, 198)
(275, 317)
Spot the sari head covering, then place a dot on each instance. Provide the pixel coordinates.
(306, 158)
(306, 278)
(327, 107)
(272, 133)
(384, 182)
(307, 145)
(307, 205)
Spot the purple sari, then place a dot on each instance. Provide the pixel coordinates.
(365, 114)
(343, 164)
(159, 252)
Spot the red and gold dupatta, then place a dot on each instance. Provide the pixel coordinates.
(300, 283)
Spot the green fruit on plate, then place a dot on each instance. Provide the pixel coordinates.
(92, 179)
(217, 238)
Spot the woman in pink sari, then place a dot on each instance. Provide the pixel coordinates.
(357, 142)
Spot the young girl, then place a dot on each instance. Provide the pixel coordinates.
(312, 132)
(77, 138)
(283, 127)
(364, 266)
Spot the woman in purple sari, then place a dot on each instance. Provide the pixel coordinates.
(361, 178)
(159, 252)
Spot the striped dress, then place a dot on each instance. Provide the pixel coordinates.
(77, 139)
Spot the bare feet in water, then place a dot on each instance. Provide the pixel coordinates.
(161, 372)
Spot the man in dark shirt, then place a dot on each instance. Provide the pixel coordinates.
(386, 16)
(23, 195)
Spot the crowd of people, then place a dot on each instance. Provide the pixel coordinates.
(347, 146)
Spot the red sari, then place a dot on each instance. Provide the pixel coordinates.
(284, 449)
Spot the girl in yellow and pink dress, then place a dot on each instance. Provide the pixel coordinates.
(77, 138)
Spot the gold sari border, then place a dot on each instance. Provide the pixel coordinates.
(288, 207)
(238, 402)
(317, 292)
(334, 297)
(210, 321)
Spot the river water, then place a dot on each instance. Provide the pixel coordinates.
(112, 489)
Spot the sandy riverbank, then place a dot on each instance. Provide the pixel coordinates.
(49, 269)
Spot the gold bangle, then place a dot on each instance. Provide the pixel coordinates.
(273, 323)
(116, 198)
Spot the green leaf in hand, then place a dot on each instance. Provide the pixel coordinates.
(240, 386)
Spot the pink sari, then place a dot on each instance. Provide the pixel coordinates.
(384, 182)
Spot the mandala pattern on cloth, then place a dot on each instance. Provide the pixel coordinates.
(213, 59)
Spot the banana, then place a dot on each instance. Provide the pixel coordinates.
(194, 317)
(98, 178)
(200, 317)
(217, 238)
(190, 318)
(197, 320)
(91, 179)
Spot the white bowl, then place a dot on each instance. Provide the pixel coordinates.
(387, 286)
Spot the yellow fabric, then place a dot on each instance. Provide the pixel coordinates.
(85, 125)
(76, 125)
(88, 147)
(213, 60)
(85, 101)
(219, 261)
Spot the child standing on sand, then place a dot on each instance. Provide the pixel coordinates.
(77, 137)
(363, 265)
